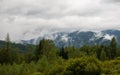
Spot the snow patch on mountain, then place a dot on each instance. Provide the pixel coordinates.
(65, 38)
(98, 35)
(108, 37)
(77, 38)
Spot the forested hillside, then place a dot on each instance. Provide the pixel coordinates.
(20, 47)
(46, 59)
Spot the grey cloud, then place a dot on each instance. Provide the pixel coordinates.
(111, 1)
(35, 16)
(50, 10)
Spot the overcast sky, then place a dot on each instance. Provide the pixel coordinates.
(28, 18)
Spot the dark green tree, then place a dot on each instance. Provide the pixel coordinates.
(9, 55)
(5, 53)
(113, 48)
(29, 54)
(45, 48)
(103, 55)
(63, 53)
(7, 41)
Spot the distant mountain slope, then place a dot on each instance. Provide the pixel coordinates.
(21, 47)
(79, 38)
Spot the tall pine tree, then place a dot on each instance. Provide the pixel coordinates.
(5, 57)
(103, 55)
(113, 48)
(63, 53)
(45, 48)
(7, 41)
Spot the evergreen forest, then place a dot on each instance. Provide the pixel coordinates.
(47, 59)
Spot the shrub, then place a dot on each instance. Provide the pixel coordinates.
(83, 66)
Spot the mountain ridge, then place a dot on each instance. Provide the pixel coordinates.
(79, 38)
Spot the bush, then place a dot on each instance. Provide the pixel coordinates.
(83, 66)
(111, 67)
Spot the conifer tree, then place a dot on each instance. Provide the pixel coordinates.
(63, 53)
(38, 51)
(5, 57)
(113, 48)
(46, 48)
(7, 41)
(103, 55)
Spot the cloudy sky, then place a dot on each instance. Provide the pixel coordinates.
(29, 18)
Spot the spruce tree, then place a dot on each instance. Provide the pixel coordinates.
(103, 55)
(63, 53)
(38, 51)
(7, 41)
(113, 47)
(5, 57)
(45, 48)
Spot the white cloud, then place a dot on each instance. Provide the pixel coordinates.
(30, 18)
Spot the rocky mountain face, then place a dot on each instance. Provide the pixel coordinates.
(79, 38)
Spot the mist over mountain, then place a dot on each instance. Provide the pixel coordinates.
(78, 38)
(26, 19)
(60, 20)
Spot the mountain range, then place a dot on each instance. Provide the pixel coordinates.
(78, 38)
